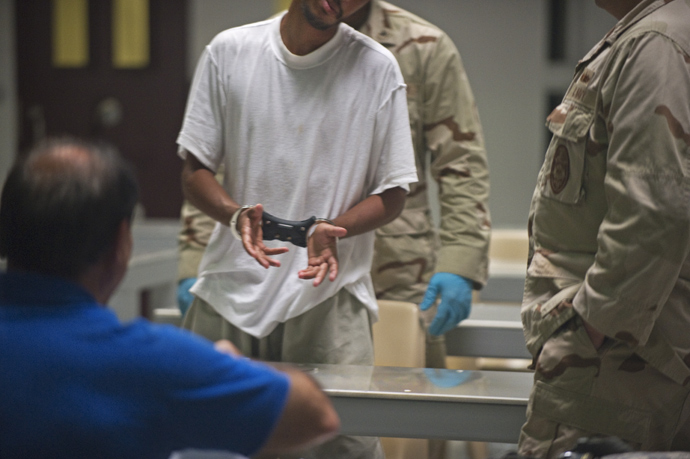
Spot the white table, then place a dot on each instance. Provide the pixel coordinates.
(506, 281)
(425, 403)
(491, 330)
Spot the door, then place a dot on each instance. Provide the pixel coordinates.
(139, 110)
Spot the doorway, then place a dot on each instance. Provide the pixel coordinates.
(139, 110)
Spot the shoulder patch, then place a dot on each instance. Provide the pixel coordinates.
(560, 169)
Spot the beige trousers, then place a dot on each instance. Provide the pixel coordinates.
(580, 391)
(337, 331)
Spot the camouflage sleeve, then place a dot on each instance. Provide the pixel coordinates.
(454, 136)
(644, 237)
(195, 232)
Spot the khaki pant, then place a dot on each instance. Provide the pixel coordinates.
(580, 391)
(337, 331)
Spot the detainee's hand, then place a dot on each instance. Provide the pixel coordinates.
(456, 301)
(249, 227)
(322, 249)
(226, 347)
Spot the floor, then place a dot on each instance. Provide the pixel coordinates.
(459, 450)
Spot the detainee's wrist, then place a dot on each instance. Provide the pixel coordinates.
(233, 222)
(316, 223)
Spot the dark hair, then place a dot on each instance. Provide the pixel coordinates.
(62, 205)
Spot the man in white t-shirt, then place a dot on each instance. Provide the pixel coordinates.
(309, 118)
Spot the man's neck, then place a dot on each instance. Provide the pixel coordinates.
(91, 280)
(618, 8)
(299, 36)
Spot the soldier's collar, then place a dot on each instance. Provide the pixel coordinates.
(642, 10)
(378, 26)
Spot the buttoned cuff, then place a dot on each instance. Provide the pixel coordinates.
(464, 261)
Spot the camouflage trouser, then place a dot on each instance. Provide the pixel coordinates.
(580, 391)
(337, 331)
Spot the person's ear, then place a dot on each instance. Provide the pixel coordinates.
(122, 249)
(112, 267)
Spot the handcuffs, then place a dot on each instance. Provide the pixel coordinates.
(274, 228)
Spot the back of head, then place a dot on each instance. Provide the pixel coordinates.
(62, 205)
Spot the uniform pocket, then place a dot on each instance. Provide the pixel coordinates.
(562, 175)
(540, 320)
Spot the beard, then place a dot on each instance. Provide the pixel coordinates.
(315, 21)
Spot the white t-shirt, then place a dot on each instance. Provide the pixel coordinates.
(302, 135)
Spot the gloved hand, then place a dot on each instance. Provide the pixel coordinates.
(456, 301)
(184, 298)
(448, 378)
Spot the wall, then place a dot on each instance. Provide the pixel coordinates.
(8, 98)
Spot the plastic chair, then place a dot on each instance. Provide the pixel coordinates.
(170, 316)
(399, 341)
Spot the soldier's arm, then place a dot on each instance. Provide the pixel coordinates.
(643, 240)
(204, 192)
(454, 136)
(195, 232)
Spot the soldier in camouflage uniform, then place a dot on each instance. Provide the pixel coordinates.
(410, 262)
(192, 241)
(443, 118)
(606, 310)
(444, 123)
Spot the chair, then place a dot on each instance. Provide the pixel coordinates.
(170, 316)
(399, 341)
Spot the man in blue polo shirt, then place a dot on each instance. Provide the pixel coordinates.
(74, 381)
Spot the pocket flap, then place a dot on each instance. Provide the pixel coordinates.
(570, 121)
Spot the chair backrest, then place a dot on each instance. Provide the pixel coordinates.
(399, 341)
(509, 245)
(399, 337)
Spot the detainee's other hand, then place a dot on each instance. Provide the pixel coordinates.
(226, 347)
(249, 227)
(322, 250)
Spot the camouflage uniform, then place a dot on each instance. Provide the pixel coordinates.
(444, 123)
(194, 236)
(609, 242)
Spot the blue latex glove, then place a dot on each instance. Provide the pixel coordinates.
(448, 378)
(456, 301)
(184, 298)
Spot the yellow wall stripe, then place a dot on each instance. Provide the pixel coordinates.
(280, 5)
(70, 32)
(131, 33)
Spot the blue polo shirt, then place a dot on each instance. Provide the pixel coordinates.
(75, 382)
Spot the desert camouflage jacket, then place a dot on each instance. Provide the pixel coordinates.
(445, 124)
(610, 217)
